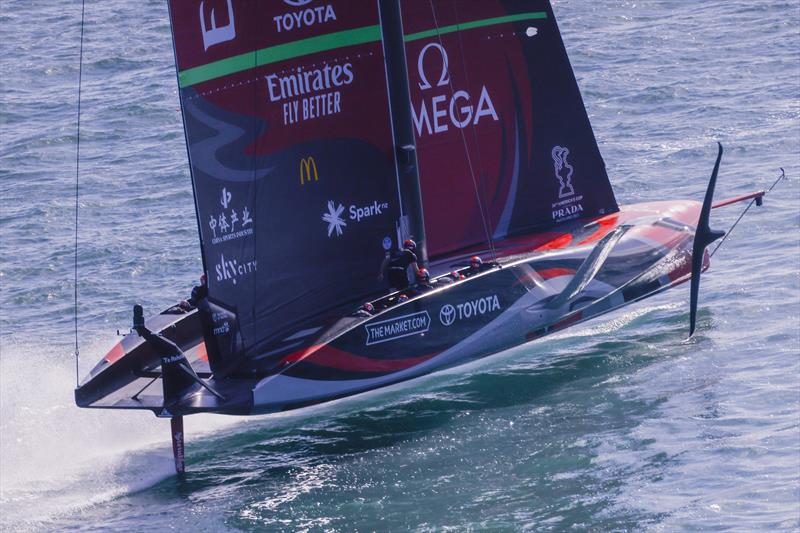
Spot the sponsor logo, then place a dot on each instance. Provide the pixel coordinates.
(438, 112)
(307, 165)
(334, 219)
(397, 328)
(221, 324)
(569, 205)
(232, 270)
(448, 314)
(172, 359)
(563, 171)
(336, 222)
(304, 18)
(371, 210)
(309, 94)
(222, 330)
(216, 34)
(225, 198)
(229, 224)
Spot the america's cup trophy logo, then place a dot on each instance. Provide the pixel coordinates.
(563, 171)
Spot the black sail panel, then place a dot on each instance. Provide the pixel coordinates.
(289, 136)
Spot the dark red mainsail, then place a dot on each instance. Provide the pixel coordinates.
(503, 139)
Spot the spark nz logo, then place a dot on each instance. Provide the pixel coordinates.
(448, 314)
(356, 214)
(452, 106)
(334, 219)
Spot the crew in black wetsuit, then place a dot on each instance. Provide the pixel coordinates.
(449, 279)
(198, 293)
(395, 266)
(476, 265)
(423, 282)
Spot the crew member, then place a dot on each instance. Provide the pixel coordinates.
(395, 266)
(450, 278)
(366, 310)
(198, 293)
(423, 282)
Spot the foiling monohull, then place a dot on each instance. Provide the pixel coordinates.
(323, 133)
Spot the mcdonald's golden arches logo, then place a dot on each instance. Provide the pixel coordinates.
(308, 170)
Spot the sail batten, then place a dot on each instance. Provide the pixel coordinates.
(278, 53)
(462, 26)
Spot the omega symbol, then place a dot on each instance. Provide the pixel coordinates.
(444, 77)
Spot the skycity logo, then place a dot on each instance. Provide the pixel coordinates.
(232, 270)
(304, 18)
(569, 206)
(216, 34)
(448, 314)
(460, 112)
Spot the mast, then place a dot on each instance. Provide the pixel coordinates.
(412, 221)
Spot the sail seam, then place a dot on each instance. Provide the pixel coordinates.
(281, 52)
(324, 43)
(533, 15)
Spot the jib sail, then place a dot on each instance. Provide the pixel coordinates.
(289, 135)
(502, 133)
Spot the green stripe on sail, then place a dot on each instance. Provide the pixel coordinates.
(533, 15)
(281, 52)
(324, 43)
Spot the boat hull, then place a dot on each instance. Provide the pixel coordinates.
(646, 249)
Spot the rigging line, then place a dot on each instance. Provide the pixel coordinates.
(253, 189)
(474, 131)
(746, 209)
(77, 189)
(466, 148)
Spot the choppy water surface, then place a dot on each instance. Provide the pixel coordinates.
(615, 425)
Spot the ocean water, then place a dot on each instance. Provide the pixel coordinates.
(615, 425)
